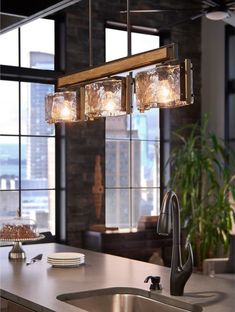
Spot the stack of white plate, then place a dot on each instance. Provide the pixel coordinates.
(66, 259)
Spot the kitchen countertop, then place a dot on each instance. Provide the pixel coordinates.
(36, 286)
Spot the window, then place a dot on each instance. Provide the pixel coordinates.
(27, 142)
(132, 148)
(230, 96)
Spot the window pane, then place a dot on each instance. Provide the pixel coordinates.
(37, 44)
(9, 163)
(145, 164)
(9, 100)
(38, 163)
(231, 116)
(9, 54)
(145, 126)
(231, 68)
(39, 206)
(117, 127)
(117, 163)
(116, 43)
(32, 109)
(145, 202)
(9, 203)
(144, 42)
(232, 146)
(117, 208)
(132, 147)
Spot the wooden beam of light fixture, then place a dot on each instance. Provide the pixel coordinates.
(165, 53)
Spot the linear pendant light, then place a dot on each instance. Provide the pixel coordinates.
(102, 93)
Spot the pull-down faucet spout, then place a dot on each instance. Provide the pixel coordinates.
(170, 217)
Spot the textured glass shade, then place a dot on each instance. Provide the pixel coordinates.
(61, 107)
(160, 87)
(168, 86)
(105, 98)
(145, 88)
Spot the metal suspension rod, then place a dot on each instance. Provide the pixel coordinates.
(90, 35)
(128, 21)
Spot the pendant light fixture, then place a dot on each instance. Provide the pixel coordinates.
(61, 107)
(106, 98)
(165, 86)
(101, 93)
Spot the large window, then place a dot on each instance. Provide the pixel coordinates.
(27, 142)
(132, 148)
(230, 75)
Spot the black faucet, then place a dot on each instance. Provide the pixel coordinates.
(170, 214)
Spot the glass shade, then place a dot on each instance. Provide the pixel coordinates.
(168, 86)
(61, 107)
(160, 87)
(105, 98)
(145, 87)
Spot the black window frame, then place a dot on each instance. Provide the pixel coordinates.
(42, 76)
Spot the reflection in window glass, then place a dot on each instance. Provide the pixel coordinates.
(32, 109)
(37, 44)
(132, 153)
(9, 99)
(9, 203)
(9, 48)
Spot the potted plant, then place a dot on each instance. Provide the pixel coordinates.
(201, 176)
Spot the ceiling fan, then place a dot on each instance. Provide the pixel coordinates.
(212, 9)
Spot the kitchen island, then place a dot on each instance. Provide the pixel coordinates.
(36, 286)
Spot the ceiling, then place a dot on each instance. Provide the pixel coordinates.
(15, 13)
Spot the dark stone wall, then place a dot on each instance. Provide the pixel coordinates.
(86, 140)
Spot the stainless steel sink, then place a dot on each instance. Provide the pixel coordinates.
(125, 300)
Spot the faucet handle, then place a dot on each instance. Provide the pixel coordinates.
(155, 282)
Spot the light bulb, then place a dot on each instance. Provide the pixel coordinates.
(109, 102)
(110, 106)
(165, 93)
(62, 106)
(65, 112)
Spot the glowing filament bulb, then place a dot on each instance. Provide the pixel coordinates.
(109, 102)
(164, 92)
(65, 112)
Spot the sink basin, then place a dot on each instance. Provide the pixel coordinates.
(122, 299)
